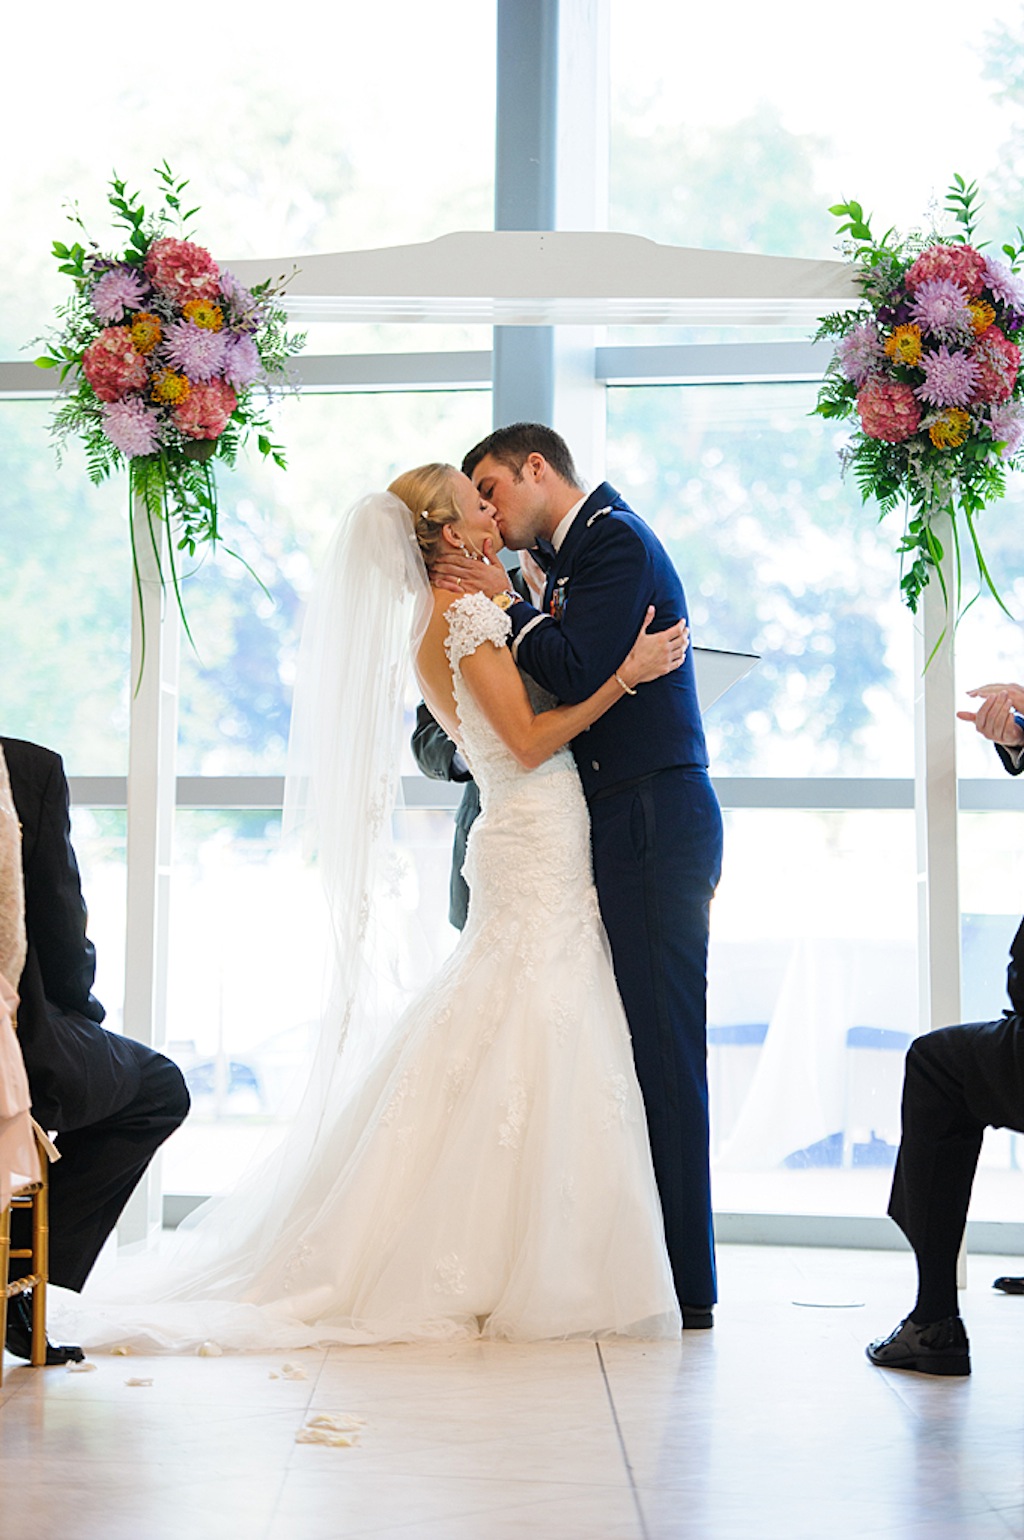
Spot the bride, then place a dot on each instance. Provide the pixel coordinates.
(480, 1165)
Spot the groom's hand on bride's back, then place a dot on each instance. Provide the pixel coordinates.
(463, 575)
(656, 653)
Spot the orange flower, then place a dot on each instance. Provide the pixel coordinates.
(905, 344)
(951, 429)
(982, 315)
(204, 313)
(170, 387)
(145, 331)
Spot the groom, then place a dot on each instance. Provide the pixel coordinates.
(656, 824)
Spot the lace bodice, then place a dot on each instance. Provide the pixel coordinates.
(473, 621)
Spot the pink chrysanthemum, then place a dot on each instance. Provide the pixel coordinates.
(940, 307)
(1004, 284)
(112, 366)
(1007, 427)
(961, 264)
(998, 361)
(205, 414)
(888, 410)
(241, 362)
(182, 270)
(950, 379)
(131, 427)
(860, 353)
(194, 350)
(118, 290)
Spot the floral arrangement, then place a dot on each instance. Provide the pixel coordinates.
(930, 366)
(170, 363)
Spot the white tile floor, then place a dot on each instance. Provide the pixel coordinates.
(771, 1427)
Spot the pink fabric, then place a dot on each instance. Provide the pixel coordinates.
(19, 1160)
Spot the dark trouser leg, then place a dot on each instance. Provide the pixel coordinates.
(101, 1165)
(958, 1080)
(657, 857)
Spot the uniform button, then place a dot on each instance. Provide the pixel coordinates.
(594, 765)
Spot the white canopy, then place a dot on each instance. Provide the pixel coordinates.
(544, 278)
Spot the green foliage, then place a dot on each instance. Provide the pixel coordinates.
(962, 203)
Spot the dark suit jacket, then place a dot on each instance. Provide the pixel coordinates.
(609, 568)
(1007, 757)
(78, 1072)
(434, 752)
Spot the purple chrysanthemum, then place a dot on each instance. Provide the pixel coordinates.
(940, 309)
(195, 350)
(1007, 426)
(131, 427)
(241, 362)
(246, 309)
(950, 379)
(860, 353)
(118, 290)
(1004, 284)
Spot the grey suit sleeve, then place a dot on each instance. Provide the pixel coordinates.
(433, 750)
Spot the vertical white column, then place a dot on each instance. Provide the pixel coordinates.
(935, 806)
(935, 802)
(152, 755)
(581, 203)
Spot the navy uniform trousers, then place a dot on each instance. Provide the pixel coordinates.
(657, 857)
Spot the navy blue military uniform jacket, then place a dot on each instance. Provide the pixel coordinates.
(610, 567)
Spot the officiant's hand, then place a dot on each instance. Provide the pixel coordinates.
(994, 718)
(464, 575)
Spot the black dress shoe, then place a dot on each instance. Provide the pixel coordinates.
(698, 1317)
(940, 1347)
(1009, 1285)
(19, 1335)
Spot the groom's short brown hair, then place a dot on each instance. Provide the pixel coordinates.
(512, 445)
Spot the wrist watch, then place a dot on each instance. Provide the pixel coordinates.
(505, 600)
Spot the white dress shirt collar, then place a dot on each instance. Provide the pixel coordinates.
(561, 529)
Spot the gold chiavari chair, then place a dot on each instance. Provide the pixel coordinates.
(33, 1196)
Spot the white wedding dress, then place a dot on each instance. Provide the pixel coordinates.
(491, 1174)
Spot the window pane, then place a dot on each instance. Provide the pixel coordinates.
(98, 837)
(306, 129)
(812, 1002)
(65, 599)
(779, 557)
(249, 948)
(744, 144)
(235, 695)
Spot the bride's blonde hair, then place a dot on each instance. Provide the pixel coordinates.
(429, 494)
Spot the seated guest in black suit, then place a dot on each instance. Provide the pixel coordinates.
(958, 1081)
(112, 1101)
